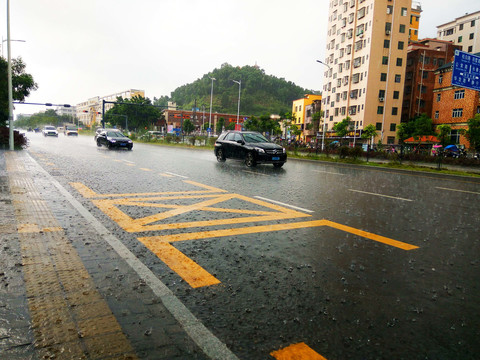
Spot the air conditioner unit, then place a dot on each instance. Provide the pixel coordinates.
(381, 99)
(388, 11)
(387, 32)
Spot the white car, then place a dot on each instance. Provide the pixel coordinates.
(50, 131)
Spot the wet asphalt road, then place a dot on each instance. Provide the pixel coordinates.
(345, 296)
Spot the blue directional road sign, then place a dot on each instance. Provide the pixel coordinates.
(466, 70)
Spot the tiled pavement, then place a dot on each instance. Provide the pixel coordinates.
(64, 294)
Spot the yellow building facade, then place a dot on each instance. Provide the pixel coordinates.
(299, 110)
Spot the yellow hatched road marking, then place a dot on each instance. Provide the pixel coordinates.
(205, 200)
(300, 351)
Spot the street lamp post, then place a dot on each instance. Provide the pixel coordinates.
(239, 92)
(211, 101)
(326, 104)
(10, 90)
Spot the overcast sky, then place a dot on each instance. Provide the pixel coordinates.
(78, 49)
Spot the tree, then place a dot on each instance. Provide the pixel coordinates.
(139, 110)
(219, 126)
(343, 127)
(188, 126)
(22, 85)
(369, 133)
(420, 126)
(444, 134)
(473, 132)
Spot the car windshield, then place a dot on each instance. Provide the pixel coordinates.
(254, 138)
(49, 128)
(115, 134)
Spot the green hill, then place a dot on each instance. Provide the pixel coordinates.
(261, 93)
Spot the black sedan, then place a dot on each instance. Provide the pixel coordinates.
(250, 146)
(113, 139)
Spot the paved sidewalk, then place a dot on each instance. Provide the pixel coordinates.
(64, 293)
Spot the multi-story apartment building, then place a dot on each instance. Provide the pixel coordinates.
(423, 58)
(90, 112)
(366, 56)
(415, 20)
(453, 105)
(299, 107)
(463, 31)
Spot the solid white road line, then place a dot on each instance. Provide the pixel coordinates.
(283, 204)
(170, 173)
(387, 196)
(327, 172)
(458, 190)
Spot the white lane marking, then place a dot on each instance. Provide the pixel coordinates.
(283, 204)
(256, 173)
(207, 341)
(458, 190)
(128, 161)
(327, 172)
(170, 173)
(387, 196)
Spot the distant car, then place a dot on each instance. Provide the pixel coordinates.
(113, 139)
(50, 131)
(70, 131)
(249, 146)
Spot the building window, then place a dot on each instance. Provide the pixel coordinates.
(394, 111)
(390, 140)
(472, 24)
(399, 61)
(404, 11)
(402, 28)
(460, 27)
(386, 44)
(459, 94)
(455, 137)
(439, 97)
(381, 95)
(440, 79)
(393, 127)
(437, 114)
(383, 77)
(378, 126)
(456, 113)
(396, 94)
(400, 45)
(398, 78)
(470, 49)
(470, 37)
(379, 110)
(385, 60)
(460, 39)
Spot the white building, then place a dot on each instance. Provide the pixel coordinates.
(90, 112)
(463, 31)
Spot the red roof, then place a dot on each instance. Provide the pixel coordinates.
(423, 139)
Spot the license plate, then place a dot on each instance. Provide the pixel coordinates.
(123, 144)
(275, 158)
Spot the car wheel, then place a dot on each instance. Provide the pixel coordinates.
(109, 146)
(250, 160)
(98, 144)
(220, 155)
(278, 165)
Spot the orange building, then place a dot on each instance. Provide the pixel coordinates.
(453, 105)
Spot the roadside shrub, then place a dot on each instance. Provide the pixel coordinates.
(192, 140)
(20, 141)
(343, 152)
